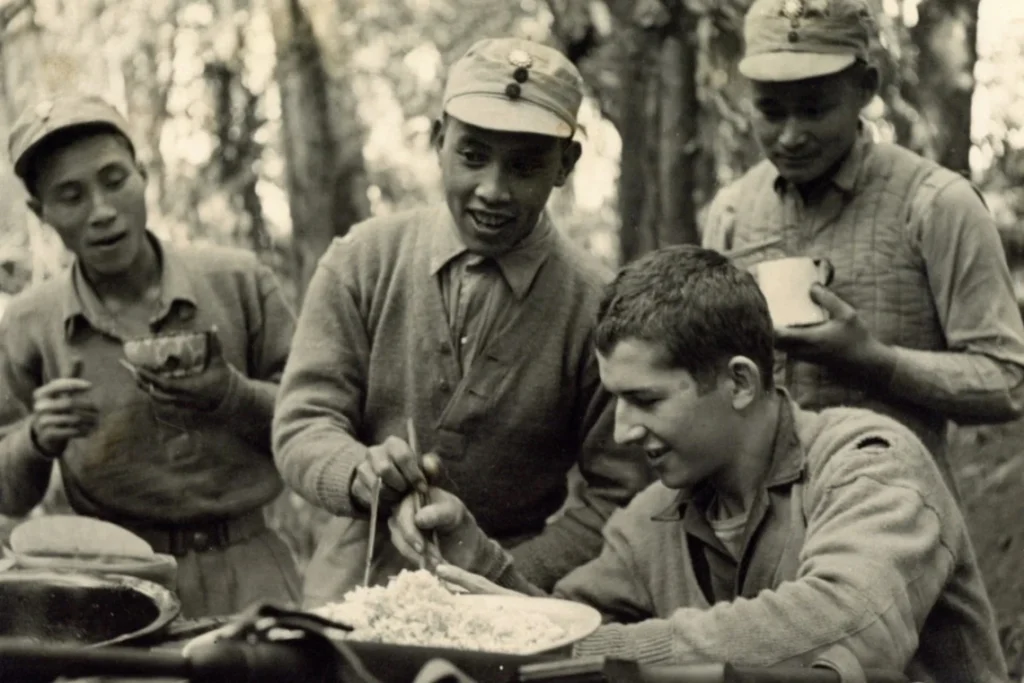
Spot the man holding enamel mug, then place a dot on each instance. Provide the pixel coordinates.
(918, 315)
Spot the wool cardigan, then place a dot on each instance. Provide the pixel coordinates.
(374, 347)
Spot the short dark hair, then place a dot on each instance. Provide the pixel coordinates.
(693, 302)
(61, 139)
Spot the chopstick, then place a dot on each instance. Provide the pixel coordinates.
(422, 498)
(374, 507)
(752, 248)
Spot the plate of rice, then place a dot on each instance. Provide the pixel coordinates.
(416, 609)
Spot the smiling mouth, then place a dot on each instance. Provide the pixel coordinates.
(490, 221)
(107, 241)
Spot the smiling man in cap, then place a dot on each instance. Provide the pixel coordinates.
(182, 461)
(923, 322)
(474, 319)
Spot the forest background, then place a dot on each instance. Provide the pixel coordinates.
(275, 125)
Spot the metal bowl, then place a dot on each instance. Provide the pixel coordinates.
(49, 607)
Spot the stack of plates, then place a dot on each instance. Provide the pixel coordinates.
(84, 544)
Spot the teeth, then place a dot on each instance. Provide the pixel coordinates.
(490, 221)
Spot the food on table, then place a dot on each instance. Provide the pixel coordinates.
(77, 536)
(173, 355)
(416, 609)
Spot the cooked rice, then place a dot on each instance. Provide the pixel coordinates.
(416, 609)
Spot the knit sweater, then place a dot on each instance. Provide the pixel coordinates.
(374, 347)
(854, 541)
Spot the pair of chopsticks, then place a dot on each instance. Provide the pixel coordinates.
(422, 497)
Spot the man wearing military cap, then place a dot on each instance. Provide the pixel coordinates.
(474, 319)
(182, 457)
(923, 323)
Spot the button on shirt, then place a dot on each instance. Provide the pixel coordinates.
(474, 287)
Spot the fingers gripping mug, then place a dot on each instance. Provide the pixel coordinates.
(786, 285)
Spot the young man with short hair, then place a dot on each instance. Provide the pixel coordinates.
(924, 322)
(775, 536)
(474, 319)
(182, 461)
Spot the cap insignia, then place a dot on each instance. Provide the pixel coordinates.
(43, 110)
(520, 58)
(793, 9)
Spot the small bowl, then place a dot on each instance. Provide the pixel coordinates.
(170, 355)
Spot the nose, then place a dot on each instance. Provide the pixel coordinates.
(626, 431)
(792, 134)
(102, 211)
(493, 187)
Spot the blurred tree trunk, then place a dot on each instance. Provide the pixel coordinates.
(640, 58)
(322, 137)
(928, 80)
(945, 41)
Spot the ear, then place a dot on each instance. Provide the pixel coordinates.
(871, 81)
(744, 381)
(437, 133)
(35, 206)
(570, 155)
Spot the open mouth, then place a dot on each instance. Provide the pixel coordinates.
(490, 221)
(108, 241)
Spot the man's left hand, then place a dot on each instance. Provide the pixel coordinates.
(842, 340)
(202, 392)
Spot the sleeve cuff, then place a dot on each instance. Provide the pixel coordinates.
(333, 486)
(25, 442)
(244, 397)
(648, 642)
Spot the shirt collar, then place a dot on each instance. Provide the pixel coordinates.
(847, 177)
(519, 267)
(787, 464)
(81, 303)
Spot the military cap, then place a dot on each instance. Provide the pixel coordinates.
(792, 40)
(515, 85)
(46, 117)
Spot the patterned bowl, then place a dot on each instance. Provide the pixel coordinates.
(171, 355)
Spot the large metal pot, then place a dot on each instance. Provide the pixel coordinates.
(82, 609)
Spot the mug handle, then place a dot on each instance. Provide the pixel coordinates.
(826, 271)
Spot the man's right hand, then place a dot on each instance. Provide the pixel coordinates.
(394, 463)
(461, 540)
(61, 411)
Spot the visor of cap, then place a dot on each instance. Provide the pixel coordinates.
(496, 112)
(793, 66)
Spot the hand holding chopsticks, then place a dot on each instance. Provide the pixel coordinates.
(431, 468)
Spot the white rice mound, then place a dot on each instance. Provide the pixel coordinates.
(416, 609)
